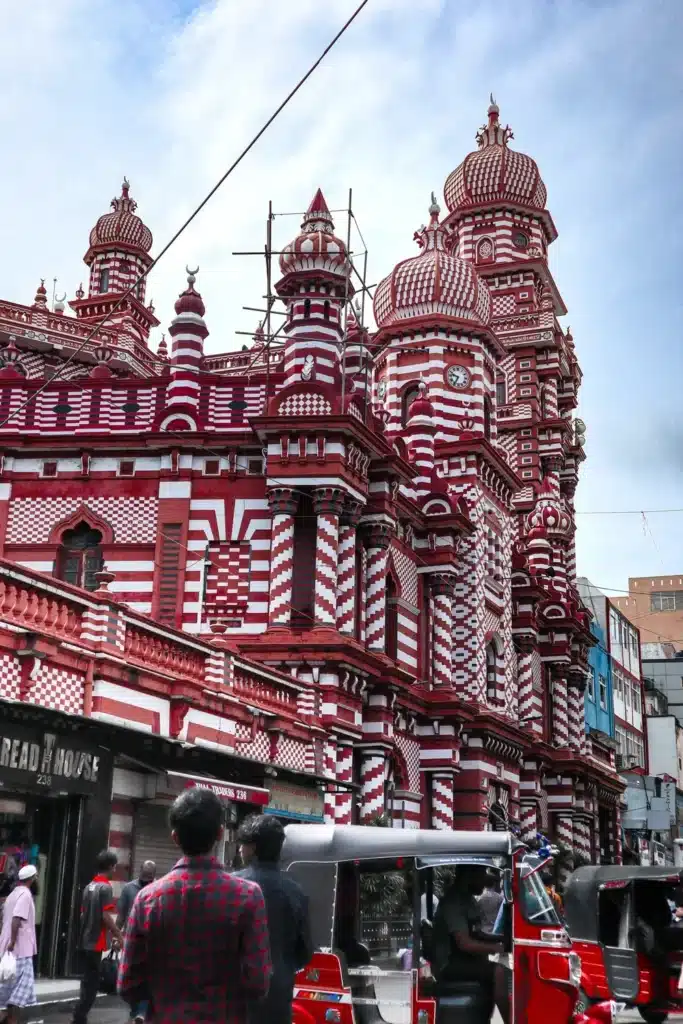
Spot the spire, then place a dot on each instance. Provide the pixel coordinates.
(491, 134)
(162, 350)
(318, 217)
(433, 235)
(190, 301)
(40, 301)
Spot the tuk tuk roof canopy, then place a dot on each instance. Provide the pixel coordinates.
(334, 843)
(581, 904)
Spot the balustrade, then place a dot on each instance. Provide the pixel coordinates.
(41, 612)
(157, 652)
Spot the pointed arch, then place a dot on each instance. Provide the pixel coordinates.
(83, 514)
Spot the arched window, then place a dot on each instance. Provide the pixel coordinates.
(391, 619)
(104, 279)
(80, 556)
(485, 251)
(307, 307)
(487, 417)
(124, 269)
(409, 396)
(326, 309)
(491, 671)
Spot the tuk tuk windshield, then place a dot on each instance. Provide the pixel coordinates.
(537, 906)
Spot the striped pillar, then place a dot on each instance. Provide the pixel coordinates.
(327, 504)
(527, 703)
(617, 844)
(528, 820)
(442, 588)
(283, 502)
(330, 772)
(188, 331)
(344, 806)
(560, 713)
(373, 777)
(442, 800)
(577, 720)
(564, 829)
(378, 541)
(346, 569)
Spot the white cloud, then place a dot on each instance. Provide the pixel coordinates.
(168, 95)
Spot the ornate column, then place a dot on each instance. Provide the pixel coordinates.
(528, 819)
(373, 777)
(346, 569)
(560, 713)
(330, 772)
(344, 804)
(442, 800)
(283, 504)
(564, 829)
(327, 504)
(443, 588)
(577, 719)
(378, 541)
(527, 702)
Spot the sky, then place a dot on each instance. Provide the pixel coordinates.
(167, 92)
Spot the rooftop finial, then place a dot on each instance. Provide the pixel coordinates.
(191, 275)
(41, 295)
(125, 188)
(434, 209)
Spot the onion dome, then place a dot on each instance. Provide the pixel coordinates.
(494, 173)
(162, 348)
(316, 247)
(122, 227)
(435, 281)
(549, 516)
(421, 406)
(40, 300)
(190, 301)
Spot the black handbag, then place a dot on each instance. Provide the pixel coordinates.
(109, 972)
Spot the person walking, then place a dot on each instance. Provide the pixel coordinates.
(196, 945)
(148, 872)
(98, 928)
(18, 936)
(291, 947)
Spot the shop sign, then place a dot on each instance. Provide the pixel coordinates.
(231, 791)
(301, 803)
(46, 760)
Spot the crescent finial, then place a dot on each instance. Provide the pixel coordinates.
(62, 299)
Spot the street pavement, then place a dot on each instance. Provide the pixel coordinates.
(112, 1014)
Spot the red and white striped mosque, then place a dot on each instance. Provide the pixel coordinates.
(349, 557)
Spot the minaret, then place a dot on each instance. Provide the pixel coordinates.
(314, 287)
(188, 331)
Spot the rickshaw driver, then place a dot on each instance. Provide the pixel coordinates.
(461, 949)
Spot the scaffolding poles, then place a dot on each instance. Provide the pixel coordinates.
(352, 273)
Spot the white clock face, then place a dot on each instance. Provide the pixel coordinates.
(458, 376)
(381, 390)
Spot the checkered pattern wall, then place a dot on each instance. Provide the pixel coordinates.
(9, 678)
(133, 520)
(57, 689)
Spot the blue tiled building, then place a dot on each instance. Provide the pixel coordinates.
(599, 703)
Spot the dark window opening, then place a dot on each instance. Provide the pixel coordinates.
(169, 573)
(140, 291)
(307, 307)
(326, 309)
(487, 418)
(409, 396)
(50, 469)
(127, 467)
(212, 467)
(124, 268)
(104, 279)
(501, 393)
(391, 619)
(491, 672)
(303, 580)
(80, 557)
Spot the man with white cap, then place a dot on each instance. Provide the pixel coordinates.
(18, 936)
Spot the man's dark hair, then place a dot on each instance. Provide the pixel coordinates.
(547, 877)
(265, 833)
(106, 860)
(197, 818)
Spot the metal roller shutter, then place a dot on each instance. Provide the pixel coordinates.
(152, 839)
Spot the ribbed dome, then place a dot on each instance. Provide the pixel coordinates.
(549, 516)
(122, 227)
(435, 281)
(494, 173)
(317, 247)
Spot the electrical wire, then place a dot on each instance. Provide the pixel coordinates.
(247, 149)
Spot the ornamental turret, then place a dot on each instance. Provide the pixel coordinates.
(188, 331)
(315, 285)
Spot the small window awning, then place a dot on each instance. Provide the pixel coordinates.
(233, 792)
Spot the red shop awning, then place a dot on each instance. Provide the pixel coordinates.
(231, 791)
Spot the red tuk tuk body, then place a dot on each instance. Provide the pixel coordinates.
(620, 924)
(361, 975)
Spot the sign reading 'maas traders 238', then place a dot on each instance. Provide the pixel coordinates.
(47, 760)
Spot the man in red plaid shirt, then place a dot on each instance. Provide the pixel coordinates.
(196, 944)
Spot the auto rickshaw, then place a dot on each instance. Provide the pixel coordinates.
(620, 922)
(372, 894)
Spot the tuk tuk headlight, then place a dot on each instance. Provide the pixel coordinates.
(575, 969)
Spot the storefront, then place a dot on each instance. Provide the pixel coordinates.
(152, 835)
(55, 790)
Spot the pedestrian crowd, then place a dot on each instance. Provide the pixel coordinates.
(199, 944)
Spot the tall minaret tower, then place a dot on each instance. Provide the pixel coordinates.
(315, 285)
